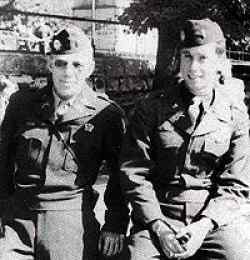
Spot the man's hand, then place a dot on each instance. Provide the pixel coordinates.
(110, 243)
(194, 235)
(167, 239)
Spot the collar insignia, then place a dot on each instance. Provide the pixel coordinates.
(88, 127)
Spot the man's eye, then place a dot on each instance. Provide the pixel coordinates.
(77, 64)
(60, 63)
(202, 58)
(187, 56)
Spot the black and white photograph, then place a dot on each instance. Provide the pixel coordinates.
(124, 130)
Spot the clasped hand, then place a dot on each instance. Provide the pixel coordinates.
(168, 241)
(195, 234)
(184, 243)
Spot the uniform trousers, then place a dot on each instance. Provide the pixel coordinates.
(228, 242)
(49, 234)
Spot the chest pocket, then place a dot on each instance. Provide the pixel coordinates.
(168, 137)
(62, 154)
(218, 142)
(82, 146)
(30, 146)
(70, 161)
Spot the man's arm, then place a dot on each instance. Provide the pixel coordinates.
(6, 151)
(117, 214)
(232, 189)
(135, 179)
(6, 162)
(233, 184)
(137, 165)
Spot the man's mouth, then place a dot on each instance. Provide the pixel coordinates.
(194, 77)
(66, 81)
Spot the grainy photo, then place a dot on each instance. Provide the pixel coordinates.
(124, 130)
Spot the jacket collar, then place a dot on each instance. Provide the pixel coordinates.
(84, 105)
(219, 111)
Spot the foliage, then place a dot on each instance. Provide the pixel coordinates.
(168, 15)
(26, 32)
(142, 15)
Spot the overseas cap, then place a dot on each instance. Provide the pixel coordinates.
(70, 40)
(200, 32)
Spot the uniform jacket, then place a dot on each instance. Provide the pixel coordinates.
(36, 164)
(170, 162)
(234, 89)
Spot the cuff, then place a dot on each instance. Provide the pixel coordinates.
(157, 225)
(116, 222)
(214, 225)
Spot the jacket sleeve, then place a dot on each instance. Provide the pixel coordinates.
(137, 165)
(117, 213)
(6, 154)
(233, 182)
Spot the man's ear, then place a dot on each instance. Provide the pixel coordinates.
(225, 67)
(91, 66)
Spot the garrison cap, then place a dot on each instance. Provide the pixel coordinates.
(200, 32)
(70, 40)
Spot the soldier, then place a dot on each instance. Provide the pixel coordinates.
(187, 172)
(7, 88)
(53, 142)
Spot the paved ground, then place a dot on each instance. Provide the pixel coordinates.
(100, 207)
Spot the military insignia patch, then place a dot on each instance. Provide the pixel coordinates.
(88, 127)
(57, 45)
(60, 42)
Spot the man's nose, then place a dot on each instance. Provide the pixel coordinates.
(69, 69)
(194, 65)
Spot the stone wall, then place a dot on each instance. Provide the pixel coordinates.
(123, 79)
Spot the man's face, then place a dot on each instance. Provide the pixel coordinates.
(198, 68)
(69, 73)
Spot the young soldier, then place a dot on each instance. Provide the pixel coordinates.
(53, 143)
(188, 178)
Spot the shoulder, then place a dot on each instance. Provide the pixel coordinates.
(234, 89)
(240, 117)
(25, 97)
(159, 99)
(235, 110)
(234, 98)
(103, 102)
(111, 114)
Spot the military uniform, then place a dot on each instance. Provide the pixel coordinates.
(48, 166)
(234, 89)
(177, 172)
